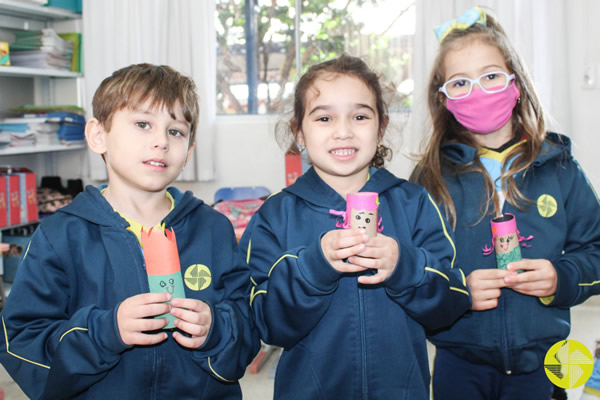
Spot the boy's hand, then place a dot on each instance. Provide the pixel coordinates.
(339, 244)
(381, 254)
(133, 318)
(193, 317)
(538, 279)
(485, 285)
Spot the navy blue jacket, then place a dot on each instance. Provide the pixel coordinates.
(341, 339)
(564, 219)
(61, 338)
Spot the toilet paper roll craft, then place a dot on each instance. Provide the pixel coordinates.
(162, 265)
(361, 212)
(506, 240)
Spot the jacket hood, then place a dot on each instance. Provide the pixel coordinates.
(311, 188)
(555, 146)
(90, 205)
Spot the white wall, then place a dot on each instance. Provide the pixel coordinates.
(584, 52)
(246, 154)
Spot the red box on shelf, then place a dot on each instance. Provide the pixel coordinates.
(293, 168)
(13, 199)
(3, 202)
(28, 194)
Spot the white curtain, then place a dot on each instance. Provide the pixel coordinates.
(536, 28)
(178, 33)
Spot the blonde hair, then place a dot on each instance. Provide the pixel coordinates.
(527, 122)
(133, 85)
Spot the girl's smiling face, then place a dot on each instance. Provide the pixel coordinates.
(340, 130)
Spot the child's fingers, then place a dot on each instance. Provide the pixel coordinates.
(149, 298)
(196, 330)
(346, 267)
(145, 324)
(379, 277)
(193, 317)
(144, 339)
(145, 310)
(366, 262)
(190, 304)
(343, 238)
(189, 342)
(483, 305)
(342, 254)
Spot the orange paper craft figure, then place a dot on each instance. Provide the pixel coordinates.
(162, 265)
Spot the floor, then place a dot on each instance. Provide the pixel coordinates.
(585, 320)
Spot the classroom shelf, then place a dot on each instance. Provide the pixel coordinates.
(41, 149)
(37, 72)
(35, 11)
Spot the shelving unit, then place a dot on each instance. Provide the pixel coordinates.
(21, 15)
(36, 72)
(21, 85)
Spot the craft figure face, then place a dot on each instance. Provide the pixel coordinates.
(364, 219)
(168, 285)
(506, 243)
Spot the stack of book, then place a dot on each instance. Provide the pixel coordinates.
(41, 49)
(45, 128)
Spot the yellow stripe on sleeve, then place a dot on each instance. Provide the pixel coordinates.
(281, 258)
(589, 284)
(459, 290)
(248, 252)
(255, 293)
(437, 272)
(217, 375)
(71, 330)
(17, 356)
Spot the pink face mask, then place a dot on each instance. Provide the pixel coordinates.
(482, 112)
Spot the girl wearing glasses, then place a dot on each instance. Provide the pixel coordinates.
(490, 154)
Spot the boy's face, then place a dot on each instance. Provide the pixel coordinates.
(145, 148)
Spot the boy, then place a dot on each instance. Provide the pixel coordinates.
(79, 322)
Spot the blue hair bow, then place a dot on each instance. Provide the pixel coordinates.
(470, 17)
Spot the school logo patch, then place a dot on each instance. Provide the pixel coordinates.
(568, 364)
(546, 205)
(197, 277)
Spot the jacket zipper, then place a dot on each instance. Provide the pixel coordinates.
(505, 356)
(363, 344)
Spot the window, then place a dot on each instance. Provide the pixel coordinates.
(256, 53)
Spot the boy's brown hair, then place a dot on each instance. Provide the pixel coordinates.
(133, 85)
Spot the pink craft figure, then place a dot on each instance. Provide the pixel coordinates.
(361, 212)
(505, 240)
